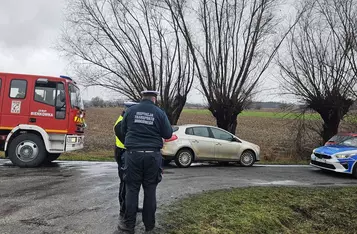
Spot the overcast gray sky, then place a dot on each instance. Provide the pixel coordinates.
(29, 30)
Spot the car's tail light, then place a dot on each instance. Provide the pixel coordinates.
(173, 138)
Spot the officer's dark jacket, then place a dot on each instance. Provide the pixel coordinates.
(144, 125)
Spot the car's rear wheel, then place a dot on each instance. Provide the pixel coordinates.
(184, 158)
(247, 158)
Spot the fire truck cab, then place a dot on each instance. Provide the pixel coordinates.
(40, 118)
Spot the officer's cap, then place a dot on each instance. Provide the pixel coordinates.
(129, 104)
(150, 93)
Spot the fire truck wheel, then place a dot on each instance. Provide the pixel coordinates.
(27, 150)
(52, 157)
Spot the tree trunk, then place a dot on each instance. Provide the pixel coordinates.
(173, 109)
(330, 125)
(173, 114)
(228, 123)
(329, 130)
(226, 118)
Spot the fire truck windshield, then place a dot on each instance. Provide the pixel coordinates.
(76, 99)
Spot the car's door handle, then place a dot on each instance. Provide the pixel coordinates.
(195, 141)
(218, 143)
(32, 120)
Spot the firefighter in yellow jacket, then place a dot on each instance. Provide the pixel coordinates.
(118, 154)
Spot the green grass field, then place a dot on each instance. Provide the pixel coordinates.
(265, 210)
(262, 114)
(271, 114)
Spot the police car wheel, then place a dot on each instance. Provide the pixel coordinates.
(27, 150)
(184, 158)
(247, 158)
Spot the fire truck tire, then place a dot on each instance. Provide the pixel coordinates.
(52, 157)
(27, 150)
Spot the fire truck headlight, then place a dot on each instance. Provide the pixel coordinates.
(71, 139)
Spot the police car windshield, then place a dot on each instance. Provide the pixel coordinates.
(351, 141)
(76, 99)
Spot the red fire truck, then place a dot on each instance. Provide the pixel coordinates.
(40, 118)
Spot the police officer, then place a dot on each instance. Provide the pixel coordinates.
(144, 126)
(118, 154)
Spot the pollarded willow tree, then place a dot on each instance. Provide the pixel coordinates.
(128, 46)
(232, 43)
(319, 67)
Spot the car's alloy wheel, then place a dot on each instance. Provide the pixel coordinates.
(247, 158)
(184, 158)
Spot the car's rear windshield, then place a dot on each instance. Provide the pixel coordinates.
(175, 128)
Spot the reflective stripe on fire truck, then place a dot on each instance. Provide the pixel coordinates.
(55, 131)
(6, 128)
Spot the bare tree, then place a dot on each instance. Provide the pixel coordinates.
(128, 46)
(319, 66)
(232, 48)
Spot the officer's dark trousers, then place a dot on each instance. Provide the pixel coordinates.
(141, 169)
(119, 158)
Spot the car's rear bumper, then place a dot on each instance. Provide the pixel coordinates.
(337, 165)
(169, 150)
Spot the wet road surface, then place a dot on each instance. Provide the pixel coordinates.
(81, 197)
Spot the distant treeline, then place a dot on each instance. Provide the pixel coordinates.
(99, 102)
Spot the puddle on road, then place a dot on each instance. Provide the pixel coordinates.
(280, 182)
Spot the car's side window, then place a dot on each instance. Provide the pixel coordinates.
(221, 135)
(189, 131)
(18, 89)
(201, 131)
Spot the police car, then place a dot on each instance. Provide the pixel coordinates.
(339, 157)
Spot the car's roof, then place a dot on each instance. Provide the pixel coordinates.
(195, 125)
(198, 125)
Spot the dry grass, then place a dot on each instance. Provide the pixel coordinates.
(274, 136)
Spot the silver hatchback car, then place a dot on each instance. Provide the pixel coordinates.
(194, 143)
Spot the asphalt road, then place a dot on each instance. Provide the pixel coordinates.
(81, 197)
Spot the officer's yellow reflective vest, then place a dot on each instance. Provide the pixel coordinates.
(118, 143)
